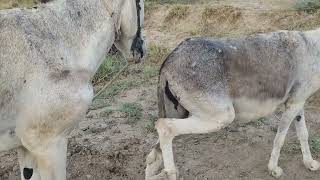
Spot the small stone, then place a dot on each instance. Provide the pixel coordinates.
(85, 128)
(115, 131)
(119, 115)
(89, 176)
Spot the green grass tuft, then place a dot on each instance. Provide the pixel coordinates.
(117, 87)
(156, 54)
(110, 66)
(309, 6)
(133, 111)
(149, 126)
(294, 148)
(315, 145)
(149, 72)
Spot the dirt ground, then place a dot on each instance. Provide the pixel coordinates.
(111, 144)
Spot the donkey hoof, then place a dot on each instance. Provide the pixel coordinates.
(161, 176)
(154, 156)
(312, 165)
(154, 164)
(170, 174)
(276, 171)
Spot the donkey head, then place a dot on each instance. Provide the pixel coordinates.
(129, 38)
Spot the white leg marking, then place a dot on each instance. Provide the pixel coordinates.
(302, 133)
(169, 128)
(284, 124)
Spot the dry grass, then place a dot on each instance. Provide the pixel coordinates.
(156, 54)
(6, 4)
(177, 13)
(176, 1)
(293, 20)
(219, 21)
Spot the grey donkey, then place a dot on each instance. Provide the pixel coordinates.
(207, 83)
(48, 56)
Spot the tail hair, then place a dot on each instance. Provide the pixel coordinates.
(166, 97)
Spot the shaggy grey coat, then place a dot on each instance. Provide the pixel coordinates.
(48, 56)
(206, 83)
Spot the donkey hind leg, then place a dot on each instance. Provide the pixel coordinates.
(28, 166)
(302, 133)
(208, 118)
(287, 117)
(154, 161)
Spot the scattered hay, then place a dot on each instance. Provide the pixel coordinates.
(294, 20)
(224, 13)
(156, 54)
(219, 21)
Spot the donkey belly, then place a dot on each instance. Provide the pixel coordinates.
(252, 109)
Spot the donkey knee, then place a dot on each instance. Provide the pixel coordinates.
(165, 128)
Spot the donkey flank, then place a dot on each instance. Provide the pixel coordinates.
(48, 56)
(206, 83)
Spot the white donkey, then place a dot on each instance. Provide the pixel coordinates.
(206, 83)
(48, 56)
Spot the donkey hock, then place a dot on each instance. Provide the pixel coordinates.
(48, 56)
(206, 83)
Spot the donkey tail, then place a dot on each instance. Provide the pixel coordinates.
(168, 105)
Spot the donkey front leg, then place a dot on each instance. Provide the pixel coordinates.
(52, 161)
(302, 133)
(28, 165)
(46, 161)
(287, 117)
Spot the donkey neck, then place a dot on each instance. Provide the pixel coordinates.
(90, 30)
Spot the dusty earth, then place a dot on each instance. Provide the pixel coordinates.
(111, 144)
